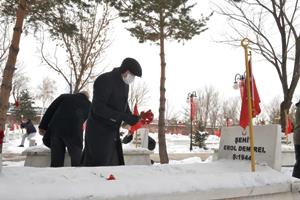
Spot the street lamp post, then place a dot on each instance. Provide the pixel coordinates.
(239, 81)
(190, 99)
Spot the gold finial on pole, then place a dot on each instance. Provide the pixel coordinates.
(245, 43)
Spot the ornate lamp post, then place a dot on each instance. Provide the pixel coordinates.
(191, 100)
(239, 82)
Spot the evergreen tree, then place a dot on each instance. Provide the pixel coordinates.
(25, 107)
(199, 139)
(157, 21)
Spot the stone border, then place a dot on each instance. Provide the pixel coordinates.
(39, 156)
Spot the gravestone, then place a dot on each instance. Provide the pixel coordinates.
(140, 138)
(235, 145)
(40, 156)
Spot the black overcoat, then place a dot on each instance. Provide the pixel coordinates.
(102, 139)
(65, 117)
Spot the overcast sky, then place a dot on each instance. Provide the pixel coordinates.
(198, 63)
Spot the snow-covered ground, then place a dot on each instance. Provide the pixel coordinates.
(138, 182)
(176, 143)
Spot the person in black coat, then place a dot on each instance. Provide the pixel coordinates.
(62, 126)
(30, 131)
(109, 108)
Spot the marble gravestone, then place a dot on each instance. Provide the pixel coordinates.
(140, 138)
(235, 145)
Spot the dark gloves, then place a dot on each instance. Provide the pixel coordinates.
(151, 143)
(127, 138)
(130, 119)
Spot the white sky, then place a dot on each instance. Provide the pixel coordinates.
(198, 63)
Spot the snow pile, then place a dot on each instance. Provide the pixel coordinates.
(136, 181)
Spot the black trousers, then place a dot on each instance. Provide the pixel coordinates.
(58, 150)
(296, 171)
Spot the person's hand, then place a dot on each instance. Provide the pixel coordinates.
(127, 138)
(147, 117)
(131, 119)
(42, 131)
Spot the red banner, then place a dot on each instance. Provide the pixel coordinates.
(255, 100)
(193, 109)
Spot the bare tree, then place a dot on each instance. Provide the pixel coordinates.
(46, 91)
(215, 110)
(19, 84)
(273, 110)
(273, 30)
(9, 68)
(84, 50)
(4, 40)
(37, 12)
(139, 93)
(231, 111)
(208, 105)
(171, 116)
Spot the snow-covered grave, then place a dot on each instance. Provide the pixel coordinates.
(181, 179)
(287, 155)
(135, 154)
(40, 156)
(179, 147)
(216, 180)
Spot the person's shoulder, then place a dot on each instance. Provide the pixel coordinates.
(81, 96)
(64, 95)
(105, 77)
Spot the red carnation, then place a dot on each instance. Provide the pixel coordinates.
(111, 177)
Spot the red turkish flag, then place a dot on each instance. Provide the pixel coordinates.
(255, 100)
(289, 126)
(217, 133)
(137, 125)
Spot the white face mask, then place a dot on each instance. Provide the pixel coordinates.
(128, 78)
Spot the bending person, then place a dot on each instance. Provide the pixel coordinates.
(62, 127)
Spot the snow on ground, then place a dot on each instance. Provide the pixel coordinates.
(176, 143)
(91, 183)
(179, 176)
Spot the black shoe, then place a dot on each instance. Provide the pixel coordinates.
(21, 145)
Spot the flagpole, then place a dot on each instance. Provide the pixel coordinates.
(245, 43)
